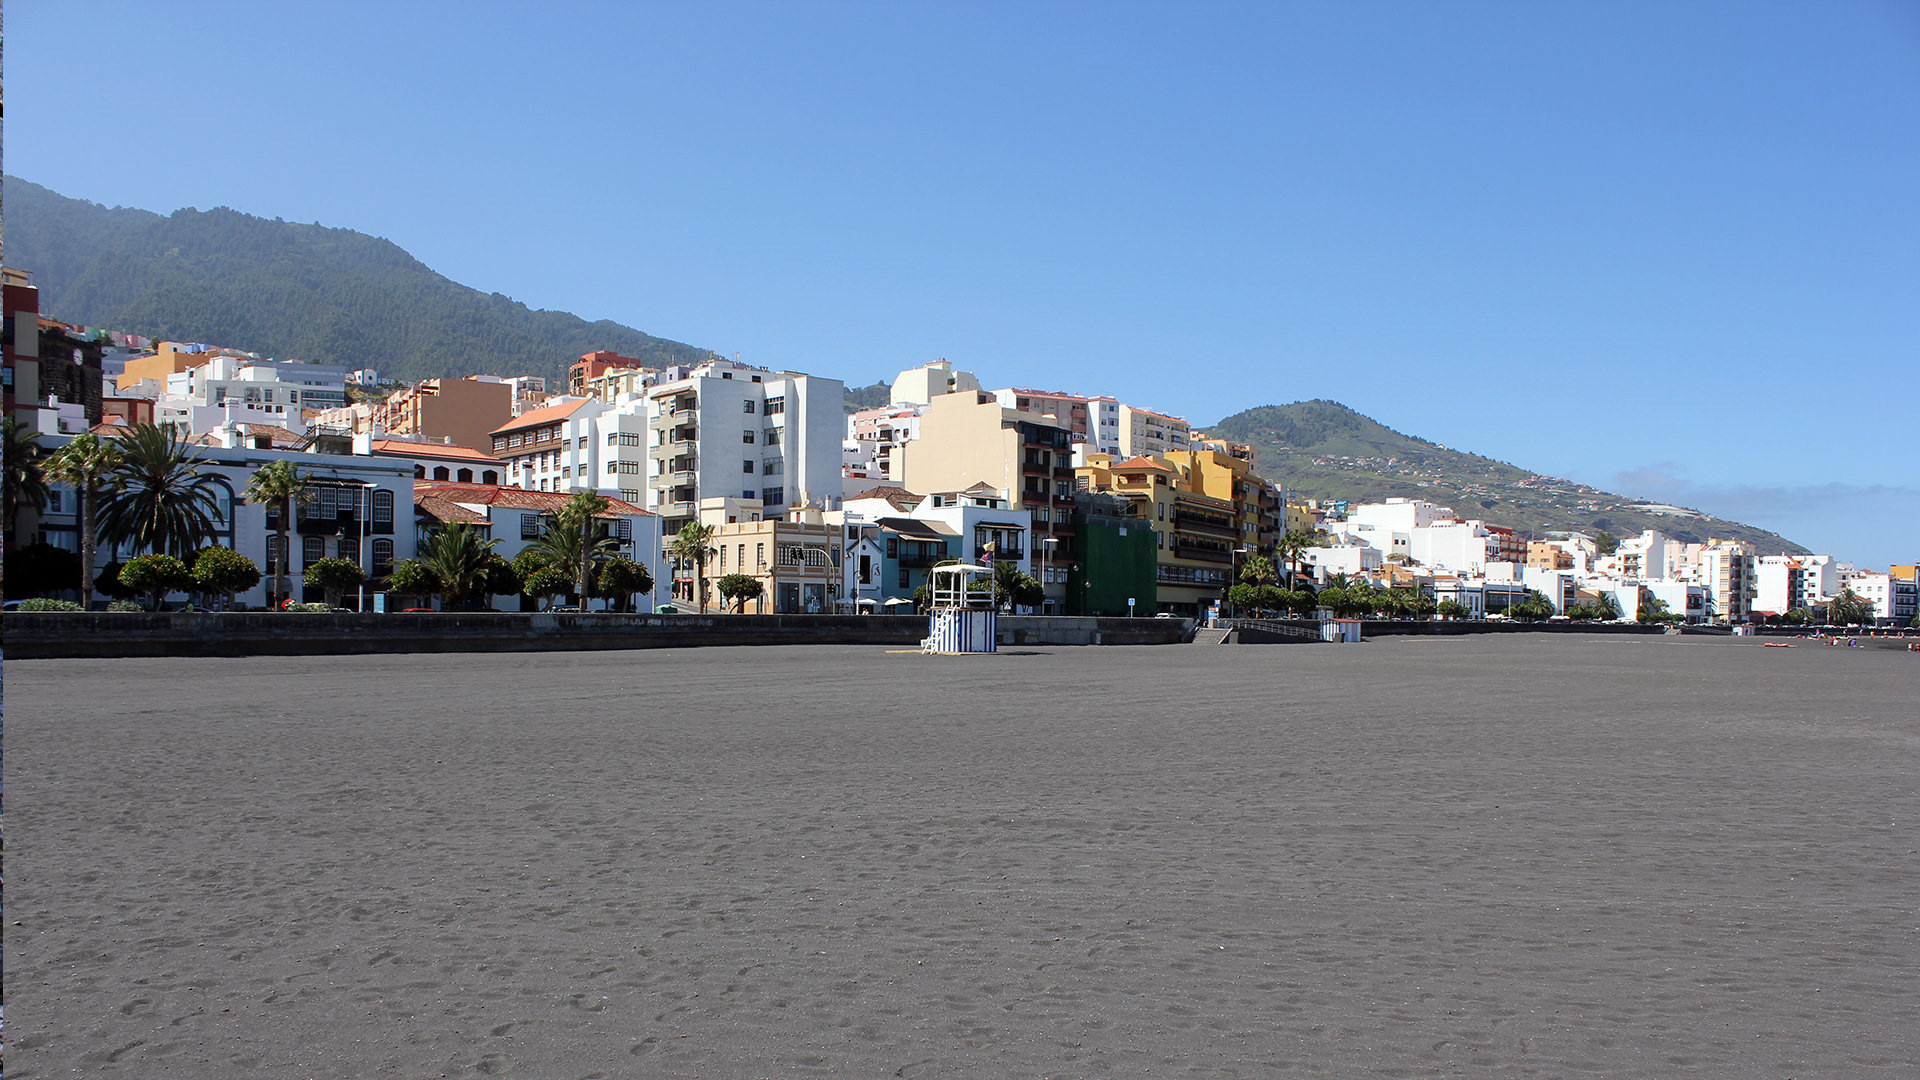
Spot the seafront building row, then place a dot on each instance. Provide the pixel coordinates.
(1110, 507)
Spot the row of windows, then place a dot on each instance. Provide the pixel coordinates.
(623, 438)
(314, 548)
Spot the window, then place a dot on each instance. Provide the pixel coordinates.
(746, 437)
(567, 470)
(723, 559)
(623, 528)
(903, 576)
(748, 406)
(773, 436)
(770, 468)
(53, 500)
(529, 526)
(350, 548)
(613, 437)
(776, 405)
(631, 495)
(611, 466)
(760, 556)
(312, 550)
(382, 558)
(773, 496)
(382, 511)
(747, 467)
(893, 547)
(273, 556)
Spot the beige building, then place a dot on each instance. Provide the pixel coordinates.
(968, 439)
(452, 412)
(797, 564)
(1143, 431)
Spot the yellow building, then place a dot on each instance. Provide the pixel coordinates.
(1214, 468)
(1197, 536)
(169, 358)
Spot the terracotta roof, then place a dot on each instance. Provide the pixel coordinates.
(1161, 415)
(513, 497)
(444, 510)
(112, 427)
(1142, 462)
(984, 488)
(278, 435)
(549, 415)
(899, 497)
(402, 448)
(1051, 394)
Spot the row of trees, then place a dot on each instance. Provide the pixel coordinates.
(148, 489)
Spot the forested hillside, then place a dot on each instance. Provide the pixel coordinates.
(1324, 450)
(289, 290)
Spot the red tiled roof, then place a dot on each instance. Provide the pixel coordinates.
(402, 448)
(535, 417)
(899, 497)
(1142, 462)
(518, 498)
(444, 510)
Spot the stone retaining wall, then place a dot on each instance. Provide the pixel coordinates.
(33, 635)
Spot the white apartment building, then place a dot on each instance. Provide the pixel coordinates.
(1642, 557)
(874, 433)
(1103, 429)
(1784, 583)
(723, 428)
(1894, 599)
(1461, 546)
(1560, 587)
(1347, 556)
(280, 389)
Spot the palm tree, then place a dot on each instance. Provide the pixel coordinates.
(278, 485)
(161, 499)
(26, 482)
(568, 549)
(1289, 547)
(87, 464)
(694, 544)
(457, 556)
(590, 544)
(1849, 607)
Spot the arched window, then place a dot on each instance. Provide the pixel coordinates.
(382, 557)
(490, 477)
(383, 512)
(440, 472)
(419, 472)
(465, 476)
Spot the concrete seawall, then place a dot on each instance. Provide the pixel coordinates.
(39, 635)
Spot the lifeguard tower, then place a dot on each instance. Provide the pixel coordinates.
(962, 620)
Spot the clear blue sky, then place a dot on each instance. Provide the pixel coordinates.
(1655, 247)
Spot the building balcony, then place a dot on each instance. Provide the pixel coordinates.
(1190, 523)
(1202, 554)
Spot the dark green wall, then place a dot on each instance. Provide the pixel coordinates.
(1109, 567)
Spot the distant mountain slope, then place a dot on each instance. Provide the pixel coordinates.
(1324, 450)
(289, 290)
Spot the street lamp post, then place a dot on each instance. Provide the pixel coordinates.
(1238, 554)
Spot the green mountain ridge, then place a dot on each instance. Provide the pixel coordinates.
(290, 290)
(1325, 450)
(340, 296)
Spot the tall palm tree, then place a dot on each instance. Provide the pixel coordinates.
(458, 557)
(1289, 547)
(88, 465)
(576, 552)
(280, 484)
(591, 543)
(162, 499)
(26, 482)
(694, 544)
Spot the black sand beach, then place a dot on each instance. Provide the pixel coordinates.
(1407, 858)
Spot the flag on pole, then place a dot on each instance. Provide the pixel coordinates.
(986, 553)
